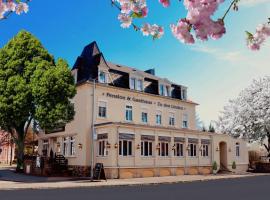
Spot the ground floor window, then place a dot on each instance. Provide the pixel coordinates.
(192, 150)
(163, 149)
(205, 150)
(125, 147)
(146, 148)
(69, 146)
(178, 149)
(45, 147)
(102, 148)
(237, 150)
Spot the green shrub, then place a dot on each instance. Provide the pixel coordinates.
(214, 166)
(233, 165)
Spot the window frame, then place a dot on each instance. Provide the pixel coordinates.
(179, 152)
(192, 152)
(99, 111)
(159, 122)
(99, 77)
(166, 152)
(128, 113)
(150, 149)
(205, 150)
(102, 150)
(185, 120)
(171, 119)
(237, 150)
(129, 147)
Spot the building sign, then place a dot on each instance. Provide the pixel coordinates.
(140, 100)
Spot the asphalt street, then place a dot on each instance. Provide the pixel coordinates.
(251, 188)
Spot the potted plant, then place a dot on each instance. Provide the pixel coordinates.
(214, 167)
(234, 166)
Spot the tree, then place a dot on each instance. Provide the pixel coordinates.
(248, 116)
(211, 128)
(33, 89)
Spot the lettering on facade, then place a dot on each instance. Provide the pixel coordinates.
(144, 101)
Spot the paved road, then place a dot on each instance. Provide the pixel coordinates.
(252, 188)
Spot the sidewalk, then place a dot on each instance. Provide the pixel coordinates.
(54, 183)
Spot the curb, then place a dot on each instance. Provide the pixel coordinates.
(123, 184)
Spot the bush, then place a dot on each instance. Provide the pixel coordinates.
(233, 165)
(214, 166)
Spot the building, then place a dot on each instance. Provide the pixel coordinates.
(141, 125)
(7, 149)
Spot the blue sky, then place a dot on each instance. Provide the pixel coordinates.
(214, 71)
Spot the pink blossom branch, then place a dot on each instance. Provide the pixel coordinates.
(11, 12)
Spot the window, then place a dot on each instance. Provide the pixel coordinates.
(192, 150)
(65, 146)
(185, 121)
(132, 83)
(102, 109)
(102, 77)
(204, 150)
(146, 148)
(168, 91)
(102, 148)
(69, 146)
(140, 85)
(72, 146)
(171, 119)
(45, 146)
(144, 117)
(125, 147)
(128, 113)
(163, 149)
(237, 150)
(158, 118)
(178, 149)
(184, 94)
(161, 90)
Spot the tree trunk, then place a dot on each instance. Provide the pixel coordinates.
(20, 155)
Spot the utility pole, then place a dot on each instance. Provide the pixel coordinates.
(93, 131)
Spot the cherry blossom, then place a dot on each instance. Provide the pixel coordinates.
(254, 41)
(154, 30)
(165, 3)
(7, 6)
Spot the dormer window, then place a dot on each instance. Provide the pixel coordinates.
(184, 94)
(136, 84)
(102, 77)
(161, 90)
(164, 90)
(139, 85)
(132, 83)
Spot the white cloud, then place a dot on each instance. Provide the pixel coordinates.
(250, 3)
(220, 54)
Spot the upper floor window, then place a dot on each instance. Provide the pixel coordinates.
(161, 90)
(133, 83)
(158, 118)
(184, 94)
(185, 121)
(102, 77)
(167, 91)
(171, 119)
(128, 113)
(139, 85)
(237, 150)
(102, 109)
(144, 117)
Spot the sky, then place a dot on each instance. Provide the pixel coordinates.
(213, 71)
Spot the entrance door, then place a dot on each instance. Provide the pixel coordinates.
(223, 156)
